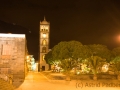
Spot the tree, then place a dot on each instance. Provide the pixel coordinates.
(116, 66)
(64, 50)
(116, 51)
(95, 62)
(101, 51)
(116, 61)
(49, 58)
(68, 54)
(67, 65)
(86, 52)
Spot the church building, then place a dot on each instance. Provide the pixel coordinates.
(44, 43)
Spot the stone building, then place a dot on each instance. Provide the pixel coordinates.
(44, 43)
(12, 55)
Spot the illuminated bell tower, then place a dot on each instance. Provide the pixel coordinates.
(44, 43)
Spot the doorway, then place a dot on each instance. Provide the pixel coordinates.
(43, 68)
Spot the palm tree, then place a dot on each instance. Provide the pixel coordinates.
(116, 66)
(95, 62)
(67, 65)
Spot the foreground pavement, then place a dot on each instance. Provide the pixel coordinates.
(37, 81)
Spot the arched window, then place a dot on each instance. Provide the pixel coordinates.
(43, 57)
(44, 49)
(44, 42)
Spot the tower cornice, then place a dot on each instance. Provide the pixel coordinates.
(44, 21)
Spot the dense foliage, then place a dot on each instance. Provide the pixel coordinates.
(70, 54)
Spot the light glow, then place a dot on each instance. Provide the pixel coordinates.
(44, 35)
(12, 35)
(105, 67)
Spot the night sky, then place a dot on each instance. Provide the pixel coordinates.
(87, 21)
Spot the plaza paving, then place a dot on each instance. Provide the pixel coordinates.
(37, 81)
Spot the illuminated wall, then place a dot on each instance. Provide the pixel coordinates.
(12, 55)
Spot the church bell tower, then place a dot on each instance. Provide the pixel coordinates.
(44, 43)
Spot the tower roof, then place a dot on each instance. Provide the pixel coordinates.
(44, 21)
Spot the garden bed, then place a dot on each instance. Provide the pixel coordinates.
(59, 76)
(90, 76)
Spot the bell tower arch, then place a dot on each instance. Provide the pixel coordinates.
(44, 43)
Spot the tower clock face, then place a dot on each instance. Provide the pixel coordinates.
(44, 35)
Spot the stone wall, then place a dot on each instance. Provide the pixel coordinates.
(12, 55)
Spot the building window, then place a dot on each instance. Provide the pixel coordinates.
(6, 51)
(44, 42)
(44, 49)
(46, 30)
(43, 57)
